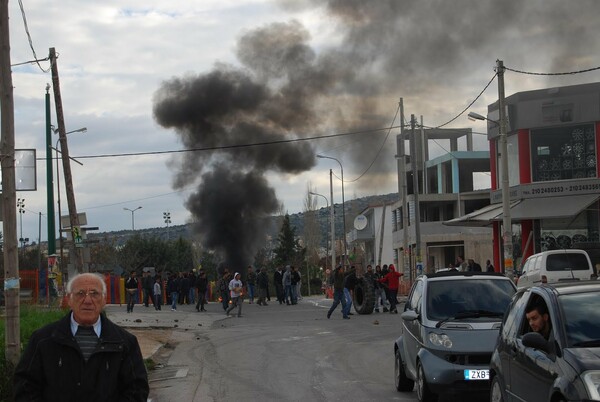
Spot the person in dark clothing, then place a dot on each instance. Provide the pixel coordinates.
(489, 267)
(131, 290)
(263, 284)
(338, 292)
(349, 284)
(278, 281)
(223, 287)
(295, 279)
(83, 356)
(148, 288)
(173, 288)
(184, 288)
(250, 284)
(202, 285)
(472, 266)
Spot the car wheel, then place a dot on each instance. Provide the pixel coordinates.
(423, 392)
(403, 383)
(496, 391)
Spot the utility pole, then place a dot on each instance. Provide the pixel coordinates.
(506, 218)
(64, 151)
(415, 172)
(9, 194)
(403, 193)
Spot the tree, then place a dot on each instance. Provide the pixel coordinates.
(288, 249)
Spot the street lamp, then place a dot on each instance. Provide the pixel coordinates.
(167, 218)
(21, 207)
(327, 241)
(132, 218)
(343, 201)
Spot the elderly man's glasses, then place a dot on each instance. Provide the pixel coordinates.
(94, 295)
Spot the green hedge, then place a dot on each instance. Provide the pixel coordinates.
(32, 318)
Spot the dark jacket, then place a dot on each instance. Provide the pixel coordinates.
(52, 367)
(202, 283)
(278, 278)
(173, 285)
(263, 280)
(338, 280)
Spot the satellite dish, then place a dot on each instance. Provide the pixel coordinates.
(360, 222)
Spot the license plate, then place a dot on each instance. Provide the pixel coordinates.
(477, 375)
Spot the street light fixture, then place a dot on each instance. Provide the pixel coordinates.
(167, 218)
(132, 218)
(327, 241)
(343, 202)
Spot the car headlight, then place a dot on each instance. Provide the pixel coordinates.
(440, 340)
(591, 379)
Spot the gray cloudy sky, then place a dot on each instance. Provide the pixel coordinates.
(156, 76)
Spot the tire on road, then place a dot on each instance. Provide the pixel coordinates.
(364, 296)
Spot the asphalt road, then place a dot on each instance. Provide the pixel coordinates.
(277, 353)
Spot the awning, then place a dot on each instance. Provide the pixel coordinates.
(552, 207)
(479, 218)
(529, 208)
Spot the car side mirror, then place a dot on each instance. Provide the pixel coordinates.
(536, 341)
(409, 315)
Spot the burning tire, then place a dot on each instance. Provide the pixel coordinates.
(364, 296)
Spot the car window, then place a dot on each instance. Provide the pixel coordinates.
(449, 298)
(513, 316)
(581, 317)
(416, 297)
(566, 262)
(538, 263)
(534, 299)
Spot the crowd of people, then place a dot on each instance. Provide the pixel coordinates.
(470, 265)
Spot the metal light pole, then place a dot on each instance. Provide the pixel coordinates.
(21, 208)
(49, 179)
(327, 242)
(132, 218)
(167, 218)
(332, 223)
(343, 203)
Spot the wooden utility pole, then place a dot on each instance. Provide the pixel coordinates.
(9, 196)
(64, 151)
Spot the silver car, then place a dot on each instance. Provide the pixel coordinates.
(450, 326)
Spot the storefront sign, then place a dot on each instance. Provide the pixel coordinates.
(550, 189)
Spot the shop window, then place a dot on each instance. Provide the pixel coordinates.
(555, 234)
(563, 153)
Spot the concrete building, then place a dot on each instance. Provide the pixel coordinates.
(553, 172)
(446, 189)
(372, 233)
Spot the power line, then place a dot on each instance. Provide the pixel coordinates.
(235, 146)
(470, 104)
(380, 148)
(565, 73)
(29, 38)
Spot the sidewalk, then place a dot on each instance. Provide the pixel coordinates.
(154, 328)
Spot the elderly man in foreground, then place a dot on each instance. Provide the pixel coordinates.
(84, 356)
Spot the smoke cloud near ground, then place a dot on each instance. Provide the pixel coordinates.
(285, 87)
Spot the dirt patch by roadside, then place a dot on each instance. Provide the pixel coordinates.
(151, 340)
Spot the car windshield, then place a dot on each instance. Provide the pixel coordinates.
(459, 298)
(582, 319)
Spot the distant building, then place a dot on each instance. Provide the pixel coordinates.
(372, 234)
(446, 190)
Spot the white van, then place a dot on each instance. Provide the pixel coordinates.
(555, 266)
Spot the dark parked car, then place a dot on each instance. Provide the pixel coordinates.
(563, 365)
(450, 325)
